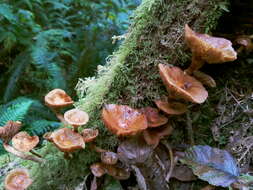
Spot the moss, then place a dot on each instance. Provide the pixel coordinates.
(129, 77)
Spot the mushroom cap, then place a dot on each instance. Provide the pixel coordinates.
(204, 79)
(153, 117)
(89, 135)
(243, 40)
(24, 142)
(10, 129)
(66, 140)
(17, 179)
(98, 169)
(153, 136)
(76, 117)
(109, 158)
(123, 120)
(117, 173)
(171, 108)
(208, 48)
(58, 98)
(182, 84)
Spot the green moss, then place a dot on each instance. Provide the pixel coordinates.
(129, 77)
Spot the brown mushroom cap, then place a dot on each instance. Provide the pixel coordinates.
(123, 120)
(89, 135)
(171, 108)
(58, 98)
(17, 179)
(67, 140)
(10, 129)
(24, 142)
(208, 48)
(204, 79)
(98, 169)
(182, 84)
(154, 118)
(117, 173)
(109, 158)
(76, 117)
(153, 136)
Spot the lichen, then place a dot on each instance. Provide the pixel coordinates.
(129, 77)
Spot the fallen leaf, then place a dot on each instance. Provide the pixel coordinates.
(183, 173)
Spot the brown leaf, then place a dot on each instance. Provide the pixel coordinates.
(183, 173)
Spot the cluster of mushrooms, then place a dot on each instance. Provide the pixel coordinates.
(146, 123)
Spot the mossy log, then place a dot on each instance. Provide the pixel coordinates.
(130, 77)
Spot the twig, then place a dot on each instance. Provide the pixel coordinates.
(189, 128)
(171, 161)
(22, 155)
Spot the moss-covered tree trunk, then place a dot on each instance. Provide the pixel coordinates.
(130, 76)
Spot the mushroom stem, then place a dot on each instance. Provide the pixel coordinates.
(68, 155)
(189, 128)
(35, 153)
(98, 149)
(172, 160)
(59, 115)
(22, 155)
(196, 64)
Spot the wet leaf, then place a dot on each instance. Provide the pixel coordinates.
(213, 165)
(183, 173)
(134, 151)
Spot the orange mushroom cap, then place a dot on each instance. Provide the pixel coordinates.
(123, 120)
(76, 117)
(182, 84)
(171, 108)
(153, 136)
(67, 140)
(24, 142)
(154, 118)
(10, 129)
(89, 135)
(109, 158)
(98, 169)
(17, 179)
(208, 48)
(58, 98)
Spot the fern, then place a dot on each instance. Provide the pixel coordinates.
(15, 110)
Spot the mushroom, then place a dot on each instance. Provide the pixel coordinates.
(109, 158)
(208, 49)
(123, 120)
(89, 135)
(17, 179)
(66, 140)
(98, 169)
(153, 136)
(57, 99)
(182, 84)
(6, 134)
(10, 129)
(23, 142)
(76, 118)
(153, 117)
(204, 79)
(245, 42)
(171, 108)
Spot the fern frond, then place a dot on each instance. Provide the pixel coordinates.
(15, 110)
(16, 70)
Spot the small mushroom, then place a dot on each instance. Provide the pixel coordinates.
(98, 169)
(123, 120)
(153, 136)
(153, 117)
(76, 118)
(89, 135)
(66, 140)
(58, 98)
(208, 49)
(10, 129)
(17, 179)
(182, 84)
(109, 158)
(24, 142)
(204, 79)
(117, 173)
(171, 107)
